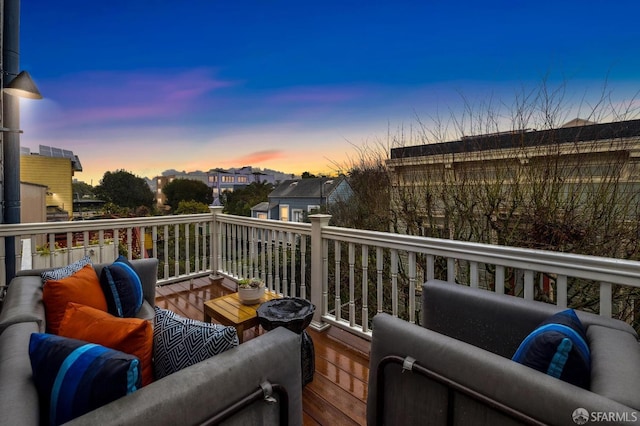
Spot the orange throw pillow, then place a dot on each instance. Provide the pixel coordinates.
(82, 287)
(132, 336)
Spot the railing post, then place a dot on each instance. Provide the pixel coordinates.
(214, 244)
(318, 280)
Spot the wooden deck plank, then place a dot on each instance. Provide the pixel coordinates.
(323, 411)
(341, 399)
(337, 394)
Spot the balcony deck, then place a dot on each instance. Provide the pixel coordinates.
(338, 392)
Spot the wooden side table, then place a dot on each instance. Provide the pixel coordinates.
(229, 310)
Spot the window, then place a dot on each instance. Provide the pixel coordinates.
(297, 215)
(262, 216)
(227, 179)
(243, 179)
(213, 179)
(312, 207)
(284, 212)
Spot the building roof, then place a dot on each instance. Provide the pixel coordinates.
(261, 207)
(306, 188)
(524, 139)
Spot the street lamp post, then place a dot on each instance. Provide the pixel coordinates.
(13, 84)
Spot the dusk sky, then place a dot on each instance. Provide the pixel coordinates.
(150, 85)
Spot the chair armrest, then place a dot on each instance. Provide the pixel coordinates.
(412, 399)
(196, 393)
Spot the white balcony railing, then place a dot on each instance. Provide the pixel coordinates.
(182, 244)
(349, 274)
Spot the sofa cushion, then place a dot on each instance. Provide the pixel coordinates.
(122, 288)
(558, 347)
(74, 377)
(65, 271)
(18, 395)
(615, 371)
(132, 336)
(82, 287)
(180, 342)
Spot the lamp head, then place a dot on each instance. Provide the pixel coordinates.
(23, 86)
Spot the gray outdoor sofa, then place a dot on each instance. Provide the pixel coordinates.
(459, 369)
(193, 395)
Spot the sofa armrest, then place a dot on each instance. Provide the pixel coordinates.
(23, 303)
(412, 399)
(196, 393)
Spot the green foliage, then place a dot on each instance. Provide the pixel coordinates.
(307, 175)
(368, 207)
(191, 207)
(125, 190)
(240, 201)
(114, 210)
(187, 190)
(83, 190)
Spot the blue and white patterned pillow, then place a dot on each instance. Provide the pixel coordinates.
(180, 342)
(65, 271)
(74, 377)
(122, 288)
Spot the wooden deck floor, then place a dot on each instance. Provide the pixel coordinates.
(337, 395)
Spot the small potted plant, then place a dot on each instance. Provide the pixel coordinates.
(250, 290)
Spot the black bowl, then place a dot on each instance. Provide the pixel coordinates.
(294, 313)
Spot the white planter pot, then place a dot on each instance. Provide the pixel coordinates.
(250, 296)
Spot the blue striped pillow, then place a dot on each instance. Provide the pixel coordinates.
(74, 377)
(558, 347)
(122, 288)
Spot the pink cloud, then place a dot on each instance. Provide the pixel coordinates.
(257, 157)
(112, 96)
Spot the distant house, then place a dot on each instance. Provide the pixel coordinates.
(53, 168)
(219, 180)
(293, 198)
(261, 210)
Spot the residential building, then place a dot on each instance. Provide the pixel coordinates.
(53, 168)
(33, 202)
(295, 198)
(575, 188)
(221, 180)
(575, 159)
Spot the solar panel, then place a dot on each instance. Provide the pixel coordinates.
(45, 150)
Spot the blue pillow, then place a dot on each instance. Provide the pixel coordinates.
(558, 347)
(74, 377)
(122, 288)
